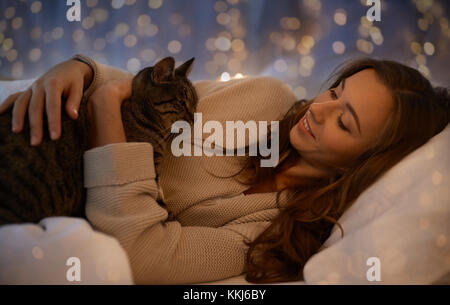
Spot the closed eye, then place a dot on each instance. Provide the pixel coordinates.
(340, 123)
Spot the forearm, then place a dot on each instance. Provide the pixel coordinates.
(106, 125)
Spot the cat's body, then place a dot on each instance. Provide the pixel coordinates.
(47, 180)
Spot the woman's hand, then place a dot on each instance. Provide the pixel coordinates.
(67, 79)
(104, 113)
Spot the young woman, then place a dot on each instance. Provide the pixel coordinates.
(231, 215)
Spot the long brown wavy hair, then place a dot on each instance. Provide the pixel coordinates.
(280, 252)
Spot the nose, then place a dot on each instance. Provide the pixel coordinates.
(320, 111)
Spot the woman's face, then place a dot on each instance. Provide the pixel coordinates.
(345, 122)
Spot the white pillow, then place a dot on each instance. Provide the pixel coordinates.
(403, 220)
(57, 251)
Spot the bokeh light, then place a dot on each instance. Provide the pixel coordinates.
(299, 42)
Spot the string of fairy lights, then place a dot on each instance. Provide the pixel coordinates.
(298, 41)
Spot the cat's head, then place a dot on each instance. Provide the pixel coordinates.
(163, 83)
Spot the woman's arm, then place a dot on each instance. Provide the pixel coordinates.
(104, 113)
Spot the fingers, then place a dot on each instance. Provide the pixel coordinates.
(9, 101)
(20, 110)
(35, 116)
(53, 108)
(74, 99)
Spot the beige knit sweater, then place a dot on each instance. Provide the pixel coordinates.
(213, 218)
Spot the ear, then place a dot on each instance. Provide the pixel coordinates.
(185, 69)
(163, 70)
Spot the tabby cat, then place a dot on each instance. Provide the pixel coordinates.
(47, 180)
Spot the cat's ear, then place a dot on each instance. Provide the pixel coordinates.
(185, 69)
(163, 70)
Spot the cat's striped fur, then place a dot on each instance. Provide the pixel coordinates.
(47, 180)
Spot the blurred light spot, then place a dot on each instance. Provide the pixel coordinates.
(422, 23)
(366, 22)
(223, 19)
(307, 62)
(34, 54)
(290, 23)
(8, 43)
(130, 41)
(88, 23)
(280, 65)
(176, 19)
(223, 44)
(416, 48)
(17, 23)
(364, 46)
(37, 253)
(338, 47)
(11, 55)
(300, 92)
(117, 3)
(36, 33)
(133, 65)
(238, 76)
(100, 15)
(305, 72)
(17, 70)
(288, 43)
(78, 35)
(340, 17)
(307, 41)
(174, 46)
(210, 44)
(91, 3)
(36, 7)
(122, 29)
(313, 4)
(234, 64)
(428, 48)
(99, 44)
(143, 20)
(10, 12)
(151, 30)
(237, 45)
(224, 77)
(233, 1)
(421, 60)
(57, 33)
(130, 2)
(184, 30)
(220, 59)
(155, 4)
(220, 6)
(147, 55)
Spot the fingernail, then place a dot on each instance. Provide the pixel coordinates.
(34, 140)
(53, 135)
(76, 113)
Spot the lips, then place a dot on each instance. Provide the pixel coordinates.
(303, 128)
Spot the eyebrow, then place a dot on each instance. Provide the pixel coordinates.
(351, 109)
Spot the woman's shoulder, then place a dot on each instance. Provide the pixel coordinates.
(265, 83)
(262, 97)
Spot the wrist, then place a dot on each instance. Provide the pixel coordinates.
(86, 71)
